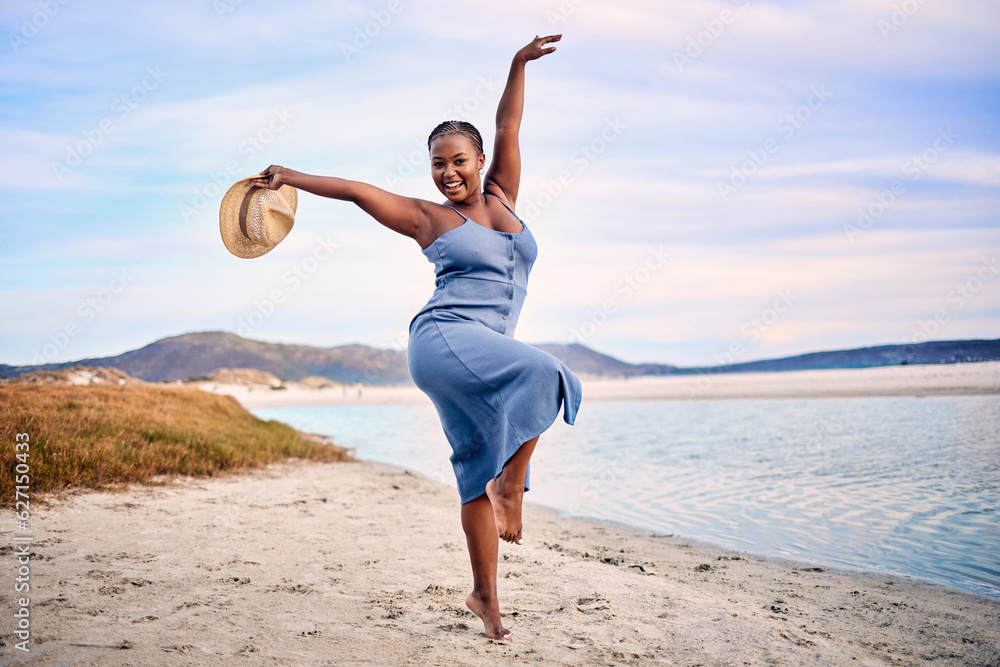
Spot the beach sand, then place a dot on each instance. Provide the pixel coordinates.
(365, 564)
(925, 380)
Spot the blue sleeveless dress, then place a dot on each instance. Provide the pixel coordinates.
(492, 393)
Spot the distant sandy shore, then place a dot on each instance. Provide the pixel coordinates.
(365, 564)
(939, 379)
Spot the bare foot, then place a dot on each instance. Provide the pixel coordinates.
(489, 614)
(506, 510)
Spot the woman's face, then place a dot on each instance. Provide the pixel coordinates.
(455, 166)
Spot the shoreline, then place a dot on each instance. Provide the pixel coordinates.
(365, 563)
(982, 378)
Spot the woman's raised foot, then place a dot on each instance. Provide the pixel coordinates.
(506, 510)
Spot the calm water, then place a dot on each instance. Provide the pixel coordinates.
(907, 486)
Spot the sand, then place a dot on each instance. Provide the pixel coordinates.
(925, 380)
(365, 564)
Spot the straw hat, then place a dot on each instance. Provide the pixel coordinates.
(254, 220)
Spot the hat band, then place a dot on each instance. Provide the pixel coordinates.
(244, 209)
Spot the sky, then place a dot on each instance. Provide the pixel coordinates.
(707, 182)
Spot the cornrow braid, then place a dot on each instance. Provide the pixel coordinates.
(458, 127)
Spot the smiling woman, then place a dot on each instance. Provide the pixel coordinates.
(494, 395)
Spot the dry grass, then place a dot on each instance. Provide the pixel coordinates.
(101, 436)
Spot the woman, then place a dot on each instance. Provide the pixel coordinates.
(494, 395)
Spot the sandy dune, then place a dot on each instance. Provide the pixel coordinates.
(977, 378)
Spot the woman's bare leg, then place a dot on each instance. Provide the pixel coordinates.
(506, 493)
(481, 536)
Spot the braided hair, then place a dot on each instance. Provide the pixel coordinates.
(458, 127)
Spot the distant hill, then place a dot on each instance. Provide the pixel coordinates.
(932, 352)
(198, 355)
(584, 361)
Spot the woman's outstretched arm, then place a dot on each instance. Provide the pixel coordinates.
(505, 170)
(406, 215)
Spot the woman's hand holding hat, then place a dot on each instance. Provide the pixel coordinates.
(270, 178)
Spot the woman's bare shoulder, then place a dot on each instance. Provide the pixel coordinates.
(492, 188)
(439, 219)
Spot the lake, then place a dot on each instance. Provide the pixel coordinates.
(901, 485)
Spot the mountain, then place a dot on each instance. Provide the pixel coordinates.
(198, 355)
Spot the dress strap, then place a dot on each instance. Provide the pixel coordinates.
(459, 212)
(507, 207)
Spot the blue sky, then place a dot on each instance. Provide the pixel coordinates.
(707, 181)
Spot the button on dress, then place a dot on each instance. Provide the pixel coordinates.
(492, 393)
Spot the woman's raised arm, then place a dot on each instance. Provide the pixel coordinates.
(406, 215)
(504, 173)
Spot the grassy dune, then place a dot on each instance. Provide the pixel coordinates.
(100, 436)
